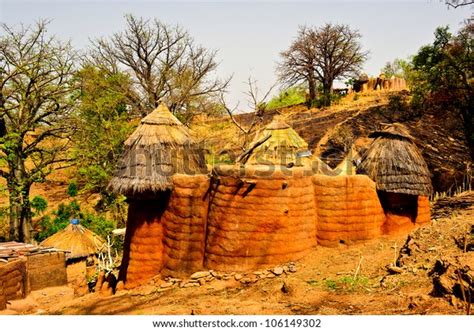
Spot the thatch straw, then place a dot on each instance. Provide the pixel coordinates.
(280, 148)
(160, 147)
(76, 240)
(395, 164)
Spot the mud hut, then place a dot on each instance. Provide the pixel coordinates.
(277, 144)
(81, 246)
(157, 150)
(402, 178)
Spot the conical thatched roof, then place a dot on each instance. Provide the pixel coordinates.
(160, 147)
(395, 164)
(277, 144)
(76, 240)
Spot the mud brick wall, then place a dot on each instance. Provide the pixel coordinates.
(416, 213)
(166, 234)
(348, 209)
(46, 270)
(14, 279)
(184, 225)
(3, 300)
(258, 219)
(424, 211)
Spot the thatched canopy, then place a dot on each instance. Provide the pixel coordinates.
(394, 162)
(76, 240)
(277, 144)
(160, 147)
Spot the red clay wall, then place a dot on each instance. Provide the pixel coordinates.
(424, 211)
(166, 234)
(271, 223)
(348, 209)
(143, 247)
(3, 300)
(401, 223)
(184, 225)
(14, 279)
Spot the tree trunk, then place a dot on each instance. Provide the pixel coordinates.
(327, 89)
(19, 198)
(312, 89)
(20, 213)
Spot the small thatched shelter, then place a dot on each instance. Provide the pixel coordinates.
(157, 151)
(277, 144)
(160, 147)
(80, 245)
(401, 174)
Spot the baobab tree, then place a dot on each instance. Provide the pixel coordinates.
(36, 98)
(164, 62)
(322, 55)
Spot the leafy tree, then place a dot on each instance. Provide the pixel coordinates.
(103, 123)
(444, 74)
(36, 99)
(398, 68)
(164, 63)
(322, 55)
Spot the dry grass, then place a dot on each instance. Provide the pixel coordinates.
(77, 240)
(160, 147)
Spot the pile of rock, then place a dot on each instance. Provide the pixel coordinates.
(202, 277)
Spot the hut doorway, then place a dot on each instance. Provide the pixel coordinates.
(401, 211)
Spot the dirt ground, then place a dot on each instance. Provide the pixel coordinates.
(343, 280)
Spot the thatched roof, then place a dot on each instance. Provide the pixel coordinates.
(160, 147)
(76, 240)
(395, 164)
(277, 144)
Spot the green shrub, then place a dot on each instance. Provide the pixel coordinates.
(72, 189)
(38, 204)
(62, 216)
(292, 96)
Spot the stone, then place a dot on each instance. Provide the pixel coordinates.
(202, 281)
(246, 280)
(200, 274)
(238, 277)
(277, 271)
(270, 276)
(209, 278)
(394, 270)
(292, 268)
(191, 285)
(285, 269)
(166, 285)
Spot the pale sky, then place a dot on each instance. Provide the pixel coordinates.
(249, 35)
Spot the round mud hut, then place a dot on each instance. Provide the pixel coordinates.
(81, 246)
(167, 213)
(403, 181)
